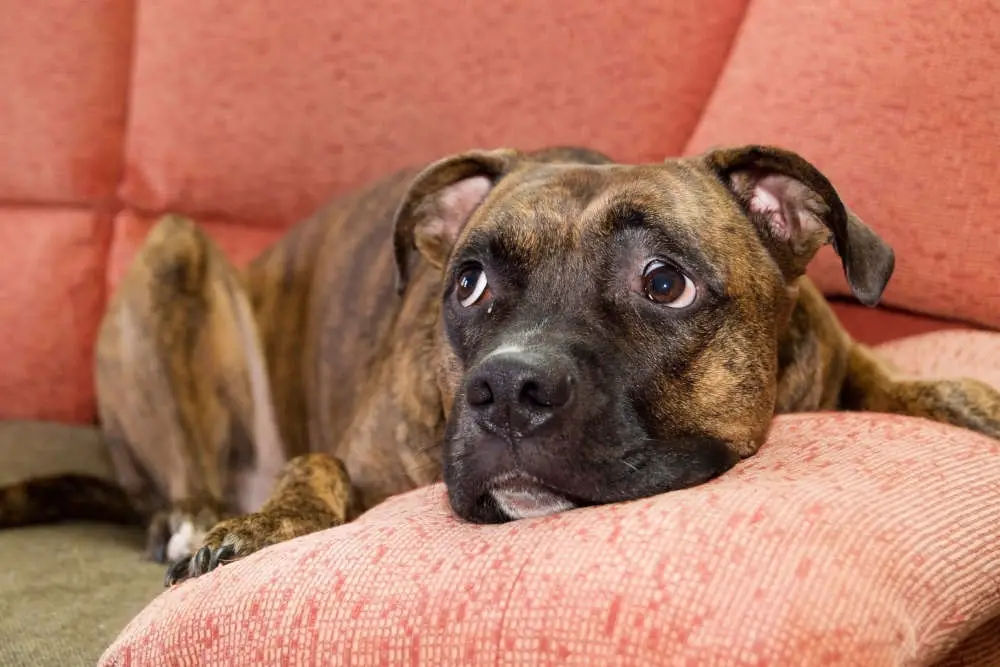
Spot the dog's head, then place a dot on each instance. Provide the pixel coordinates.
(611, 331)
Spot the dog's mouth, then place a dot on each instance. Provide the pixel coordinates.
(519, 495)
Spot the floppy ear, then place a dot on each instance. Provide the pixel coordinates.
(440, 202)
(797, 211)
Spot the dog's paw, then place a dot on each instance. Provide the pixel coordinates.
(241, 536)
(177, 532)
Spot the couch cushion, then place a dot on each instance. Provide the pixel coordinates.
(849, 539)
(64, 70)
(874, 326)
(51, 300)
(947, 353)
(896, 101)
(261, 111)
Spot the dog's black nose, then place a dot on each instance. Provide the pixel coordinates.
(520, 391)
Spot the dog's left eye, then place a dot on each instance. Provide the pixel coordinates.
(665, 285)
(471, 286)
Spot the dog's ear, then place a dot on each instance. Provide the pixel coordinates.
(797, 211)
(439, 203)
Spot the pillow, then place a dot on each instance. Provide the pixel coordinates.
(848, 539)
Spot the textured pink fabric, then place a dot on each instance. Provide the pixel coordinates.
(947, 354)
(898, 102)
(848, 540)
(51, 300)
(262, 110)
(64, 70)
(874, 326)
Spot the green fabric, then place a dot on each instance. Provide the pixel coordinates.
(66, 590)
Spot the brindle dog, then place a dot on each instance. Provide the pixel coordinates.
(570, 332)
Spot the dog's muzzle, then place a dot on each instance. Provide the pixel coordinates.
(533, 433)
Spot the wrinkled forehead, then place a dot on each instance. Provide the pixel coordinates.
(546, 209)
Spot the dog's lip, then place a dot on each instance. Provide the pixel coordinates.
(523, 496)
(517, 480)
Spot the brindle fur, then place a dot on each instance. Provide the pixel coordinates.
(360, 381)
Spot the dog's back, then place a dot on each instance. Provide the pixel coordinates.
(323, 297)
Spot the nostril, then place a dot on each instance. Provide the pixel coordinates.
(531, 393)
(553, 394)
(479, 394)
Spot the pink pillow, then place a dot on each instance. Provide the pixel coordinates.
(849, 539)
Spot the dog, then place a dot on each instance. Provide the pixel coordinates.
(542, 330)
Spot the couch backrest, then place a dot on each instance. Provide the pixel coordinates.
(898, 102)
(248, 115)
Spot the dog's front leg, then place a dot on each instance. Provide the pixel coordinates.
(313, 493)
(872, 385)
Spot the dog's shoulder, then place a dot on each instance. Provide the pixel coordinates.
(812, 353)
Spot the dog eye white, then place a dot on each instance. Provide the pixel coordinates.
(665, 285)
(687, 297)
(471, 286)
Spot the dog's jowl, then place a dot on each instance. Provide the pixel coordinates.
(542, 331)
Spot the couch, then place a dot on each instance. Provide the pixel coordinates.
(248, 115)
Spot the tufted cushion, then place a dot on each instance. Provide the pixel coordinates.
(64, 72)
(849, 539)
(64, 69)
(52, 298)
(255, 111)
(896, 101)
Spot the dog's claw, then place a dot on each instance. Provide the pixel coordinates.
(178, 572)
(222, 556)
(201, 562)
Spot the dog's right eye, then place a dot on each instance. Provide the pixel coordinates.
(666, 285)
(471, 286)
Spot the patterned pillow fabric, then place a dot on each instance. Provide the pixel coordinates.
(850, 539)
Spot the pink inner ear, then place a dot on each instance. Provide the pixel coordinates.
(456, 203)
(785, 202)
(766, 203)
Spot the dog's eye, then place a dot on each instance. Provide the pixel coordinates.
(471, 286)
(664, 284)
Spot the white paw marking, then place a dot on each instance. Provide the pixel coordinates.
(184, 541)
